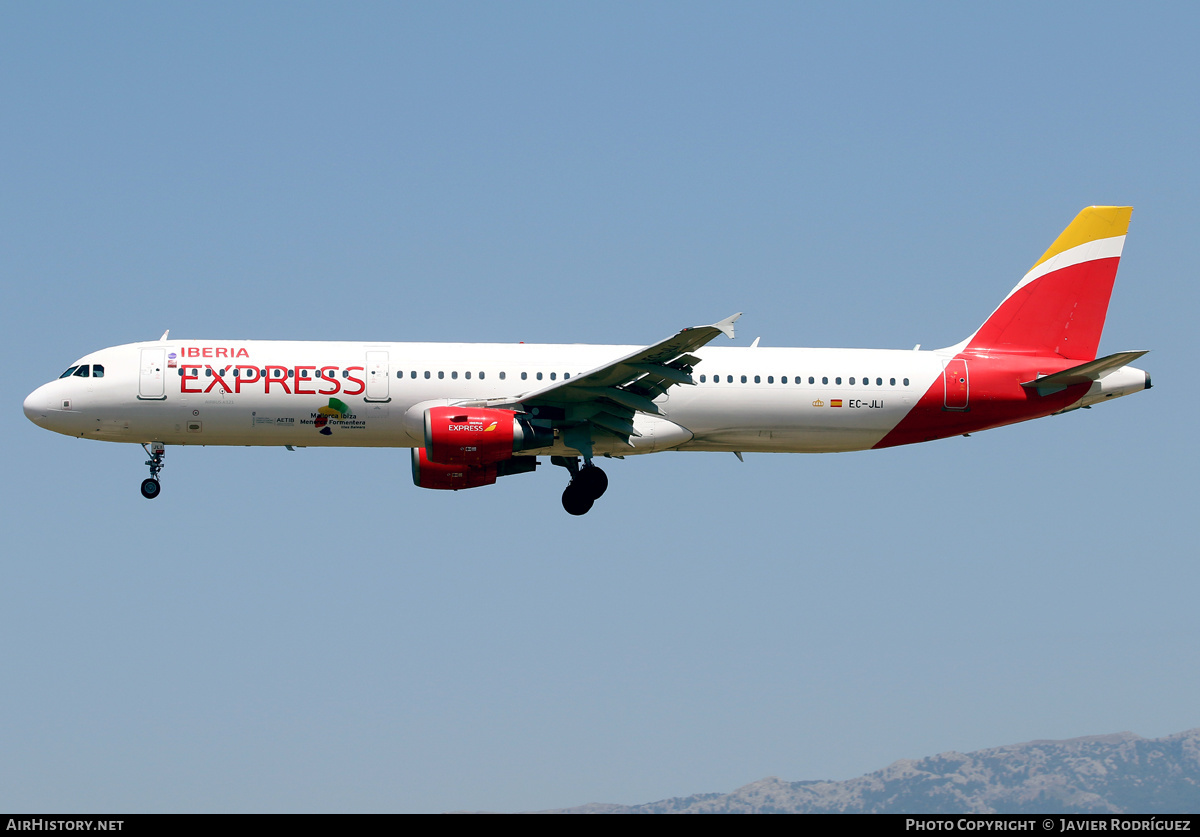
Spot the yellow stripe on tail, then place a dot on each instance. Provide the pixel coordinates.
(1092, 224)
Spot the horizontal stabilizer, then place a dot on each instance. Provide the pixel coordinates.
(1093, 370)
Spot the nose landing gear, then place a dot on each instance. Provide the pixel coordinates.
(587, 485)
(156, 452)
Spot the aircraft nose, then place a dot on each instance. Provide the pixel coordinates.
(37, 406)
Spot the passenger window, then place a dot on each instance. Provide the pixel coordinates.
(441, 375)
(811, 379)
(553, 375)
(524, 376)
(82, 371)
(412, 374)
(770, 379)
(539, 376)
(454, 376)
(480, 376)
(743, 379)
(566, 376)
(427, 374)
(208, 373)
(97, 370)
(892, 381)
(906, 381)
(825, 379)
(851, 382)
(703, 379)
(757, 379)
(503, 375)
(879, 382)
(729, 378)
(71, 372)
(838, 380)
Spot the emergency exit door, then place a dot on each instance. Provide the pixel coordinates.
(377, 377)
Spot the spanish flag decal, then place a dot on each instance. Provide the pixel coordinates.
(835, 402)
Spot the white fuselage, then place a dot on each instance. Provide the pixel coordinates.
(215, 393)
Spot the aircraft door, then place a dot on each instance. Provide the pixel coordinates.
(152, 380)
(957, 384)
(377, 377)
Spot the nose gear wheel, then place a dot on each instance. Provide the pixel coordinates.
(157, 452)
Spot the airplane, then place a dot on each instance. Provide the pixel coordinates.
(472, 413)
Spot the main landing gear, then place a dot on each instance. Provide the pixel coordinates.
(586, 487)
(157, 451)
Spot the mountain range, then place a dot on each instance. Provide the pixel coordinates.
(1103, 774)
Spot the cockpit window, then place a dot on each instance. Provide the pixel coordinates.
(97, 370)
(69, 372)
(82, 371)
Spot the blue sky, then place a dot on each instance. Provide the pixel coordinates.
(308, 631)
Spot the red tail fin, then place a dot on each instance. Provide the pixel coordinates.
(1060, 305)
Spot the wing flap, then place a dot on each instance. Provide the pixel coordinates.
(617, 424)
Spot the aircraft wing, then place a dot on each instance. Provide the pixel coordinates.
(608, 396)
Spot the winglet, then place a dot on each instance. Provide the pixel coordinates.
(726, 325)
(164, 337)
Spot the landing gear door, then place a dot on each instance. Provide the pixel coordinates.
(152, 380)
(958, 386)
(377, 377)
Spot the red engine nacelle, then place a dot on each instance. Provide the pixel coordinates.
(428, 474)
(476, 436)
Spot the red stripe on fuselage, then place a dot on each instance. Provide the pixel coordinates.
(996, 398)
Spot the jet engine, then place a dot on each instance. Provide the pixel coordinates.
(479, 436)
(470, 447)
